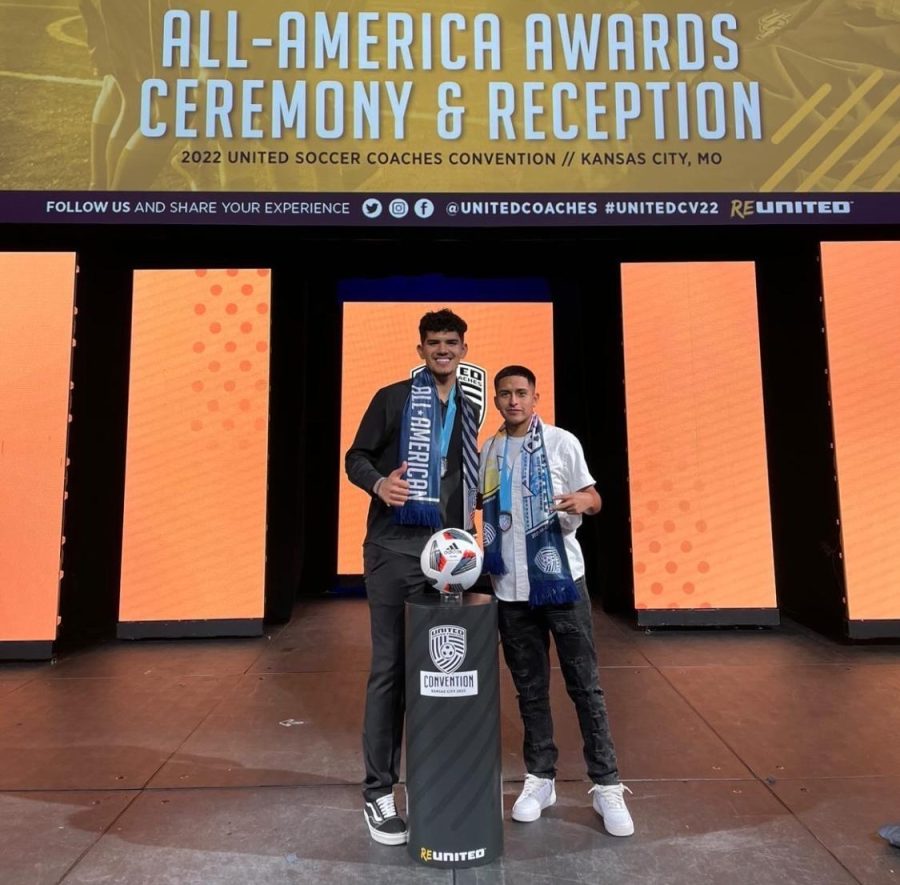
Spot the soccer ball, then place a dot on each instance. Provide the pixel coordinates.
(451, 560)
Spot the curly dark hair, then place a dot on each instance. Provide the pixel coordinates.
(442, 321)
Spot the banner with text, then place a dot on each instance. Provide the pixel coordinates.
(346, 112)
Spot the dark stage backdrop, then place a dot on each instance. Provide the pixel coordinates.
(582, 276)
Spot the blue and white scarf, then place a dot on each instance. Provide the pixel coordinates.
(420, 447)
(549, 576)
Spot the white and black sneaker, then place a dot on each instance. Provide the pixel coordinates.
(385, 825)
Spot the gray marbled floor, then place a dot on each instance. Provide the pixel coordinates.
(766, 756)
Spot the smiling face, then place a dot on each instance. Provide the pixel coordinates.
(515, 399)
(442, 352)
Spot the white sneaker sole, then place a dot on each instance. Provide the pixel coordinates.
(624, 830)
(386, 838)
(527, 818)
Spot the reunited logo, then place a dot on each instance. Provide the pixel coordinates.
(429, 855)
(746, 208)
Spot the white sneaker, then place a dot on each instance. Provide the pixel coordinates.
(609, 803)
(537, 794)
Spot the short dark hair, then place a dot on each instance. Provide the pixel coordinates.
(508, 371)
(444, 320)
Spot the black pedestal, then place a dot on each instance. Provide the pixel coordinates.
(453, 779)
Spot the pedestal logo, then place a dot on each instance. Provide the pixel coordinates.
(447, 646)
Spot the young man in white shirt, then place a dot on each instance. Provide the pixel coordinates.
(536, 486)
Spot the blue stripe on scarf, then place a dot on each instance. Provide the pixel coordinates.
(493, 559)
(426, 403)
(549, 583)
(421, 424)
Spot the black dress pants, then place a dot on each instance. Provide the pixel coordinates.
(390, 579)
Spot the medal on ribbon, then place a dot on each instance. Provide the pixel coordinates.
(447, 431)
(506, 469)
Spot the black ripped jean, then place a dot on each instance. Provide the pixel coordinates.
(525, 634)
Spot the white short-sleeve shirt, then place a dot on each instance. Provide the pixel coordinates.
(569, 473)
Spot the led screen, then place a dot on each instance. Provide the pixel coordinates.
(379, 347)
(195, 482)
(863, 323)
(701, 525)
(37, 293)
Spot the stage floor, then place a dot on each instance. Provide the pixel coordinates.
(755, 757)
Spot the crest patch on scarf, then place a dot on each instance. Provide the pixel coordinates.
(549, 577)
(548, 560)
(472, 380)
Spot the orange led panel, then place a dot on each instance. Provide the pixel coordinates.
(195, 480)
(379, 348)
(862, 312)
(700, 518)
(37, 292)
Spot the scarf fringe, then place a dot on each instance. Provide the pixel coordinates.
(418, 513)
(552, 592)
(493, 563)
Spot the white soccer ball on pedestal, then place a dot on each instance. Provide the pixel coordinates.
(451, 560)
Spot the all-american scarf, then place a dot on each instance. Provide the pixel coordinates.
(420, 447)
(549, 576)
